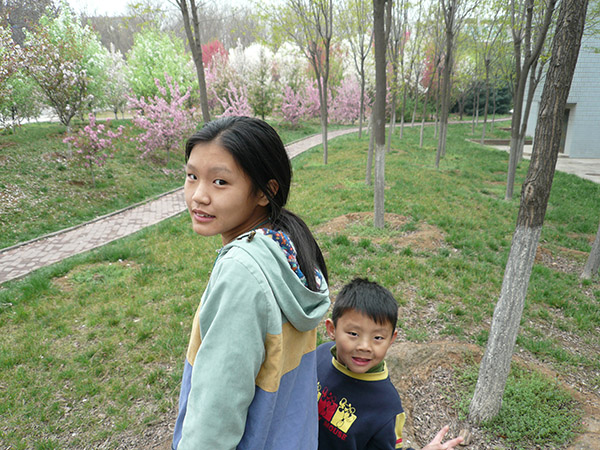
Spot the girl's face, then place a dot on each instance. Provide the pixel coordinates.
(219, 195)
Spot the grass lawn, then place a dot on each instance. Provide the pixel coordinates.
(93, 347)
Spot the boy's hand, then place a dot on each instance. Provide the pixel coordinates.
(436, 444)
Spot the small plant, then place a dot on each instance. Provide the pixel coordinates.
(94, 145)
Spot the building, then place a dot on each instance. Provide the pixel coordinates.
(581, 137)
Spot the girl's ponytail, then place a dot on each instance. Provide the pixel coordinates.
(310, 257)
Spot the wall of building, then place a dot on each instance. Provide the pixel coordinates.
(583, 131)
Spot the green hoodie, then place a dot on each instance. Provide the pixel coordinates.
(249, 379)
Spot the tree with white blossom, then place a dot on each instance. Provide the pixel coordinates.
(117, 86)
(18, 95)
(65, 60)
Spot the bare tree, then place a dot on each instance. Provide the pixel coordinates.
(454, 12)
(490, 54)
(191, 23)
(495, 365)
(382, 18)
(309, 23)
(396, 44)
(414, 51)
(525, 54)
(356, 25)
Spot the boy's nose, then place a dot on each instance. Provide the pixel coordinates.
(363, 344)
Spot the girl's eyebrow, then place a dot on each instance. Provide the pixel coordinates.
(214, 169)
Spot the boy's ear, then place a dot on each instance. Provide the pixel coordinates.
(394, 336)
(330, 327)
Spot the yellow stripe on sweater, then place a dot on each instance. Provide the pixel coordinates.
(283, 354)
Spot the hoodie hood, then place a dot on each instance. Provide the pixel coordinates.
(300, 306)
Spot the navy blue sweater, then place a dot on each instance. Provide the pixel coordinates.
(356, 411)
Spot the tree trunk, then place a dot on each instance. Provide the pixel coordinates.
(593, 262)
(403, 109)
(392, 122)
(368, 177)
(535, 192)
(362, 101)
(423, 117)
(192, 31)
(450, 13)
(381, 26)
(414, 113)
(487, 99)
(519, 91)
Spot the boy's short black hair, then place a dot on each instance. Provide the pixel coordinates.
(368, 298)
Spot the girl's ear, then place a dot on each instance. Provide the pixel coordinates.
(273, 188)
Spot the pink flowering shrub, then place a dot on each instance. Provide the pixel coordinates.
(345, 107)
(236, 102)
(311, 101)
(94, 145)
(164, 119)
(292, 106)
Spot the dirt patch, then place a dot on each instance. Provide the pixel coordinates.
(563, 259)
(424, 377)
(357, 225)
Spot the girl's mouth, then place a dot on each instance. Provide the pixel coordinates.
(202, 217)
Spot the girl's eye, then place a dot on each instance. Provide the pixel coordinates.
(191, 176)
(220, 182)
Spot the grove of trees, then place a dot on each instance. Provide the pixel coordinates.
(175, 64)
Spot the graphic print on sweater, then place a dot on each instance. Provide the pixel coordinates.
(339, 415)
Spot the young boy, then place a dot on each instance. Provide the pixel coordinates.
(359, 407)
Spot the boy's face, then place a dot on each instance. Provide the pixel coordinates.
(360, 341)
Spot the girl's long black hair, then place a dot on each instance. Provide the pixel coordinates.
(259, 151)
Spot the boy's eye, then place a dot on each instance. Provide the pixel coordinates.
(352, 333)
(191, 176)
(220, 182)
(379, 338)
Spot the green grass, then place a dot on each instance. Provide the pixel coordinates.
(536, 412)
(93, 347)
(42, 191)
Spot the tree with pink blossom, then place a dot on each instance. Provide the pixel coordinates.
(345, 107)
(312, 100)
(94, 145)
(292, 106)
(164, 119)
(235, 102)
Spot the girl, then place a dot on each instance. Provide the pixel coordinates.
(250, 372)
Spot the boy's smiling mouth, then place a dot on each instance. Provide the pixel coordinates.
(360, 361)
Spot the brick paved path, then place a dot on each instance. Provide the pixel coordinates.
(18, 261)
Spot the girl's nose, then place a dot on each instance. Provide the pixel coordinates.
(200, 195)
